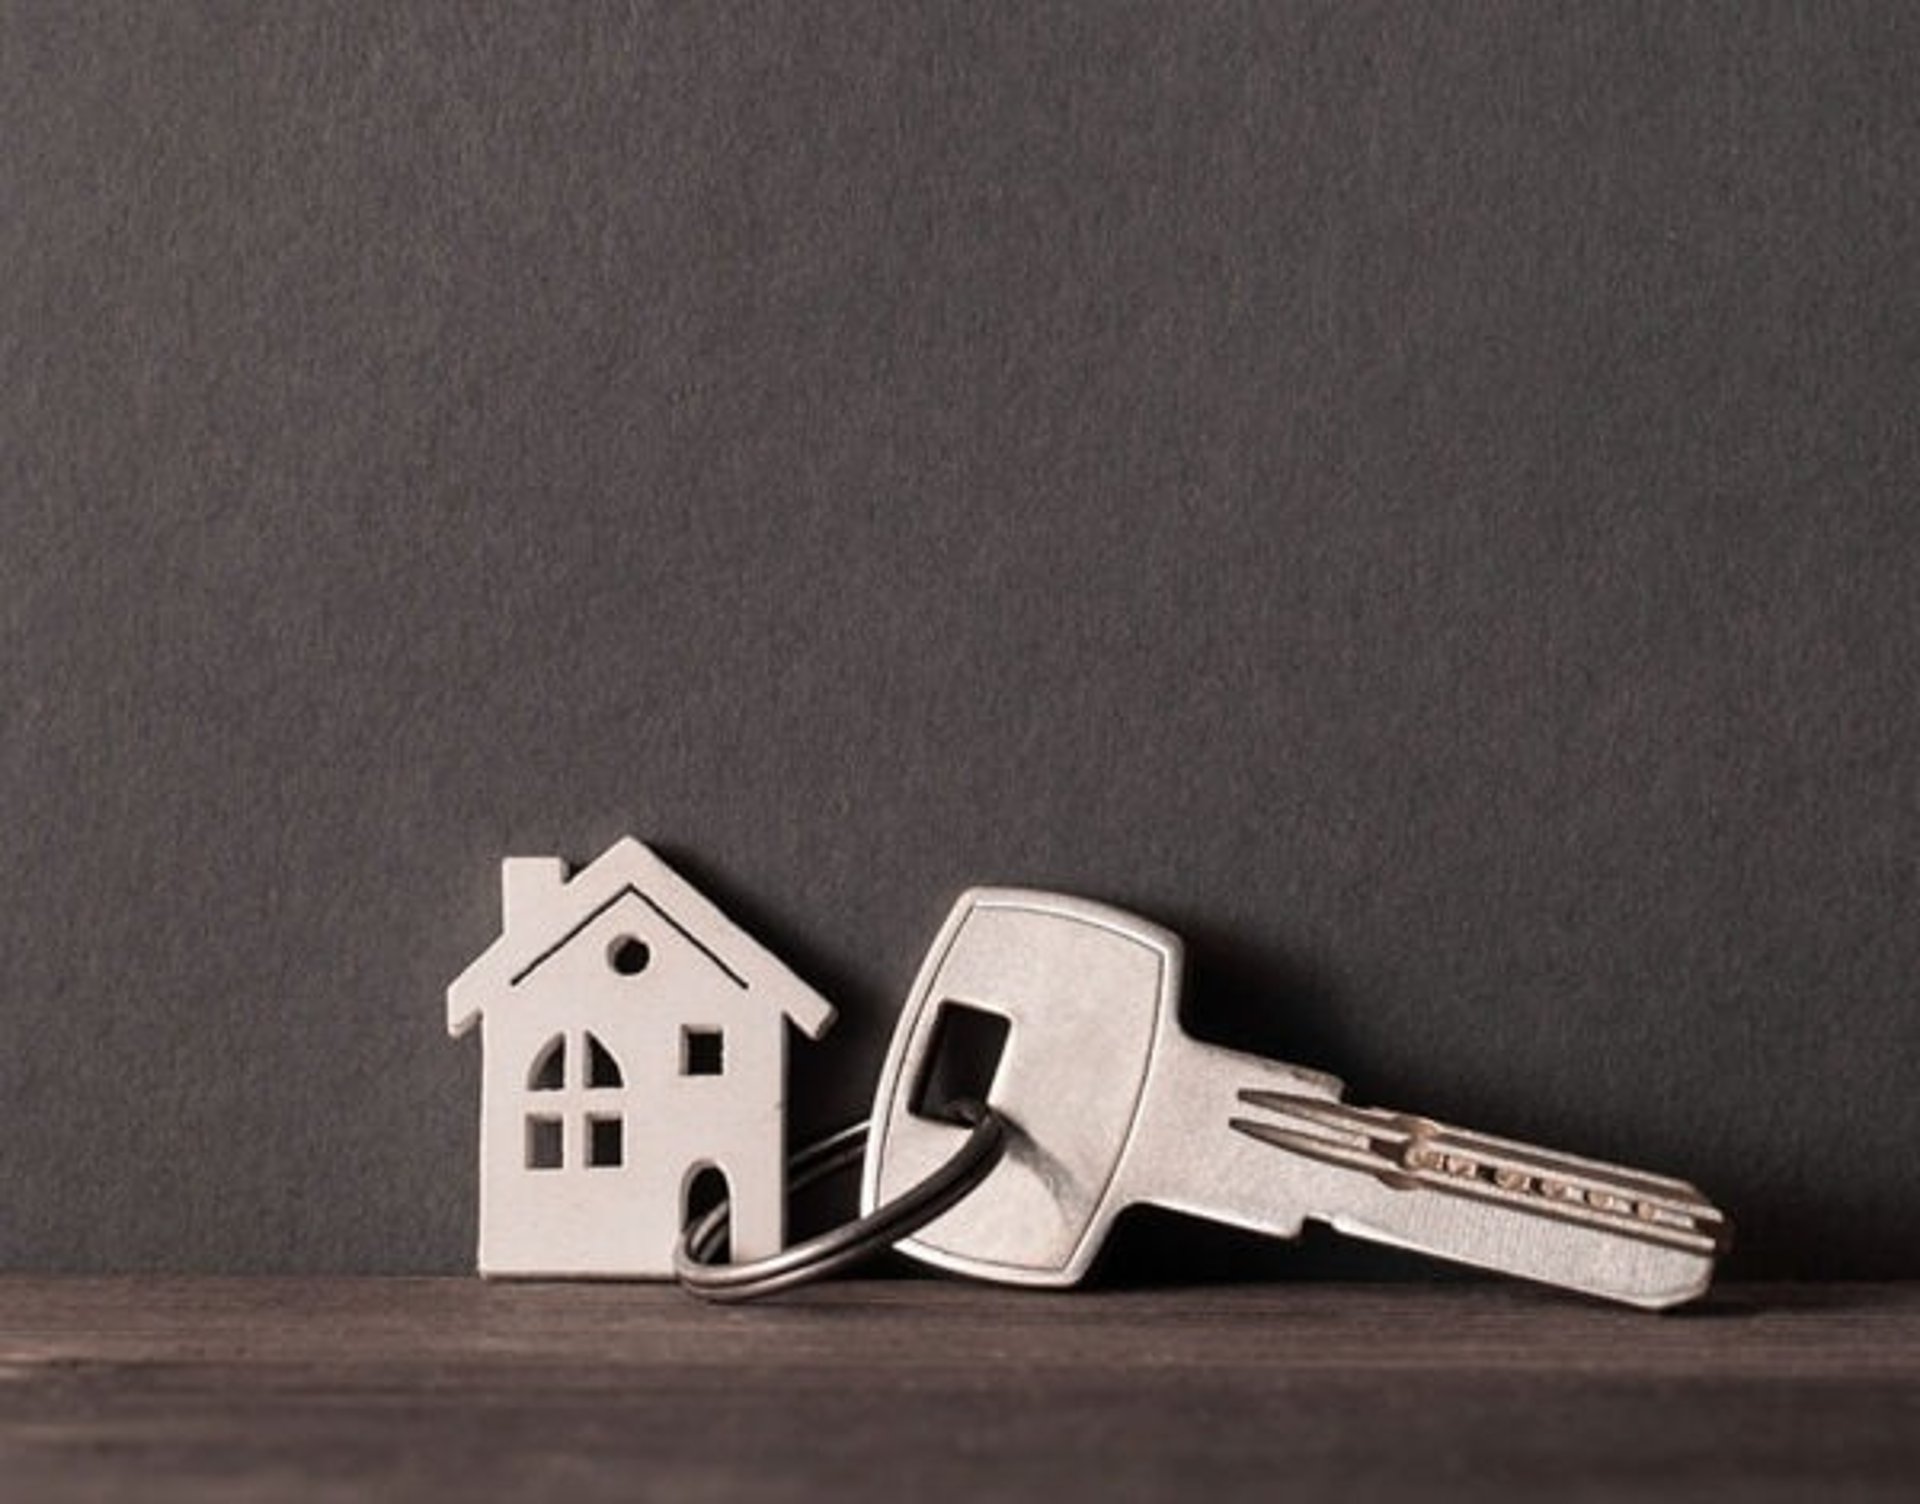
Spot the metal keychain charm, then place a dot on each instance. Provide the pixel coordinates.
(852, 1242)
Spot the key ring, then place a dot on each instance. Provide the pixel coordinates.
(879, 1229)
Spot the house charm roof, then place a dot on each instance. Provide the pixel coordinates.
(544, 907)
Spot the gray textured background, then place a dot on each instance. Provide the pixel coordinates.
(1421, 499)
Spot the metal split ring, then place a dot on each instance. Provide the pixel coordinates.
(853, 1241)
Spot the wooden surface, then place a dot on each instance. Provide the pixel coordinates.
(216, 1389)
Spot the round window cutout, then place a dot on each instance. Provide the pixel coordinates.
(628, 955)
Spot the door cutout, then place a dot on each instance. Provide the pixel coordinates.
(706, 1188)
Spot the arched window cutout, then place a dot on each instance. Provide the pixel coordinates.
(549, 1071)
(602, 1068)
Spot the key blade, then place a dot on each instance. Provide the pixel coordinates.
(1472, 1198)
(1404, 1149)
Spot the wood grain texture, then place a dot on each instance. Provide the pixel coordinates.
(319, 1389)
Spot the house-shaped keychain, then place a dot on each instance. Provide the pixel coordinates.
(633, 1037)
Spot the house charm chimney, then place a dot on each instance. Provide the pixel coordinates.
(632, 1038)
(528, 884)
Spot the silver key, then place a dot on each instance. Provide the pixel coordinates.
(1111, 1104)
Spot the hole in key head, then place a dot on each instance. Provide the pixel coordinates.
(961, 1062)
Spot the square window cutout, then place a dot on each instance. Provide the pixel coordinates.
(702, 1052)
(543, 1143)
(605, 1142)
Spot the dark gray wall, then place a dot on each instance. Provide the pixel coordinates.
(1421, 499)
